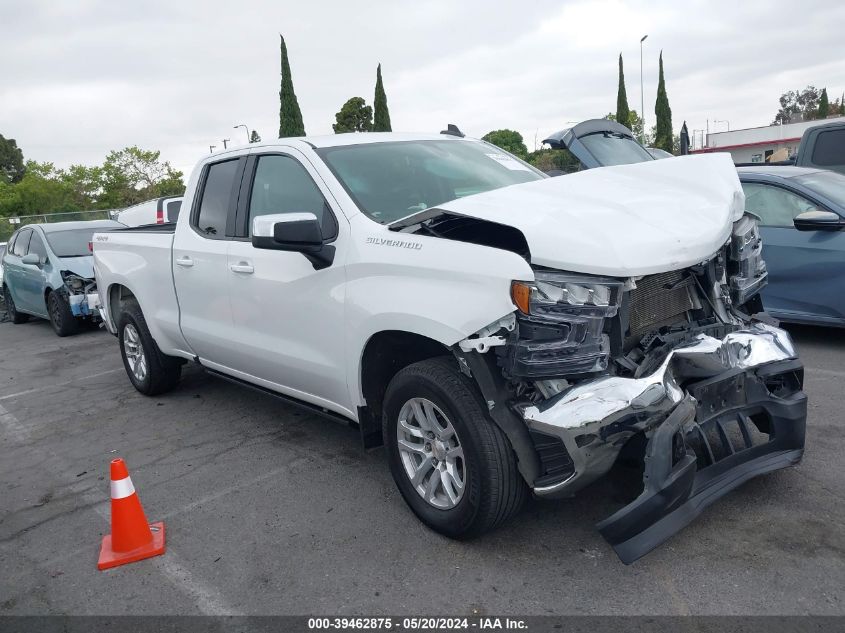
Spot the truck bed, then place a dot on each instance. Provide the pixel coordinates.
(140, 260)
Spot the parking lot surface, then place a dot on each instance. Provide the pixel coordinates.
(273, 511)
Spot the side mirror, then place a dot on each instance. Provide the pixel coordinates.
(297, 232)
(32, 259)
(818, 221)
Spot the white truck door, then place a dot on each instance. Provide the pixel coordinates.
(200, 262)
(288, 315)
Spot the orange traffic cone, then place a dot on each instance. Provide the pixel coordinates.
(131, 538)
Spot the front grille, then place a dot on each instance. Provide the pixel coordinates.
(660, 299)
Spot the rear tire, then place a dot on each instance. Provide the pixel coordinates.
(492, 490)
(61, 318)
(149, 371)
(14, 316)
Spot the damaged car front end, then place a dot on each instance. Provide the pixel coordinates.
(81, 295)
(682, 368)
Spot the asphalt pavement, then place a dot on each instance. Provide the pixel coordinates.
(270, 510)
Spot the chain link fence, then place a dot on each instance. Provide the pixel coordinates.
(10, 225)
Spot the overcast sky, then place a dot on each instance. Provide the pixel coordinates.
(81, 78)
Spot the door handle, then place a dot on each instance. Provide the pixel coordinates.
(185, 261)
(242, 267)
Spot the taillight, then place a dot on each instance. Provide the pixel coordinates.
(90, 247)
(160, 216)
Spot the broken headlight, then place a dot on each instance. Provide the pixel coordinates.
(746, 269)
(560, 324)
(74, 282)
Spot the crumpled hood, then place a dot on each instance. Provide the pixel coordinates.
(82, 266)
(623, 221)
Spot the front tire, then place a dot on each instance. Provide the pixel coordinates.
(61, 318)
(453, 466)
(149, 371)
(14, 316)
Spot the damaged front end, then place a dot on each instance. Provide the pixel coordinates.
(81, 295)
(683, 366)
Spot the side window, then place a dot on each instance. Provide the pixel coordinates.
(774, 205)
(216, 199)
(173, 208)
(36, 245)
(21, 243)
(830, 148)
(11, 245)
(282, 185)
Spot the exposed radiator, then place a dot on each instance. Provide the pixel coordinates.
(660, 299)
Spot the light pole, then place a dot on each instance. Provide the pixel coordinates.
(225, 141)
(246, 129)
(642, 97)
(211, 149)
(723, 121)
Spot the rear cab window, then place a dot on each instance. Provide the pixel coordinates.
(218, 198)
(829, 150)
(173, 207)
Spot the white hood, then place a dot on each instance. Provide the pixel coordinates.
(623, 221)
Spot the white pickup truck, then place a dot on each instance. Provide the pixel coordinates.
(500, 332)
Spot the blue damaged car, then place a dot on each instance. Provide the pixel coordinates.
(48, 272)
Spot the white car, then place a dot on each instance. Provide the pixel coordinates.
(500, 332)
(156, 211)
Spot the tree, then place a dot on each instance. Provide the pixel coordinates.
(797, 102)
(254, 137)
(354, 116)
(509, 140)
(842, 105)
(290, 116)
(84, 185)
(824, 105)
(133, 175)
(381, 115)
(663, 114)
(12, 167)
(41, 190)
(554, 159)
(635, 123)
(622, 111)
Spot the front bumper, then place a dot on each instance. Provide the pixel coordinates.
(83, 305)
(715, 413)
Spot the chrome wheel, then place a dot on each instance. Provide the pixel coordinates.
(431, 453)
(134, 352)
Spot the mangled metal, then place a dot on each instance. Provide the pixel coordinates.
(81, 294)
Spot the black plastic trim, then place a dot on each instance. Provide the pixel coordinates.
(676, 490)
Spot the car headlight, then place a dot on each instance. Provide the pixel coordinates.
(560, 324)
(747, 272)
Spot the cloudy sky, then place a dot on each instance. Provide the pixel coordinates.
(82, 77)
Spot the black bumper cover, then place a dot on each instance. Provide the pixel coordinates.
(692, 461)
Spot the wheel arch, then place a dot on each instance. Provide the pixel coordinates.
(385, 354)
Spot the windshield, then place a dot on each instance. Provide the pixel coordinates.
(73, 242)
(828, 183)
(389, 181)
(614, 149)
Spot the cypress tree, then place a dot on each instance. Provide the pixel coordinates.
(824, 105)
(381, 115)
(290, 116)
(623, 114)
(663, 129)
